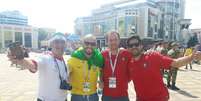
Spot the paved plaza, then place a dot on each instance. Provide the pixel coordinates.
(21, 85)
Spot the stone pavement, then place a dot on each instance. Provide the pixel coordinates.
(18, 85)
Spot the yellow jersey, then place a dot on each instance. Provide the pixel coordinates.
(80, 74)
(188, 52)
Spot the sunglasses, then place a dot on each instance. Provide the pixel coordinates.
(59, 42)
(133, 45)
(90, 43)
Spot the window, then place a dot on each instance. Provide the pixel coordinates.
(18, 37)
(28, 39)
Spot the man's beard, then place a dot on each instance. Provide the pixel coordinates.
(88, 51)
(137, 53)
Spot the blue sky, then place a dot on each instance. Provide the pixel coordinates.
(60, 14)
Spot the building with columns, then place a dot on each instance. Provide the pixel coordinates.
(130, 16)
(150, 19)
(14, 27)
(172, 13)
(26, 35)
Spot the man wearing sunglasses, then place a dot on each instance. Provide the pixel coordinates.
(145, 71)
(51, 70)
(115, 70)
(84, 66)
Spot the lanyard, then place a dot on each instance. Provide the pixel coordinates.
(59, 69)
(86, 72)
(115, 61)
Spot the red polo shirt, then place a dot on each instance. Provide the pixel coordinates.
(147, 77)
(121, 73)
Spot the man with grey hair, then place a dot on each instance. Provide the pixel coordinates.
(52, 70)
(84, 66)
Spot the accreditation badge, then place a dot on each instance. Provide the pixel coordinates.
(86, 87)
(112, 82)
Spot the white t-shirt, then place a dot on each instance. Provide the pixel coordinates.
(49, 81)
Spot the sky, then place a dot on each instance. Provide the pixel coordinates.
(192, 11)
(61, 14)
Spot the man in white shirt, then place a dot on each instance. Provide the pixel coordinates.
(52, 70)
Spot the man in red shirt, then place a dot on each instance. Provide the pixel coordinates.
(145, 71)
(115, 70)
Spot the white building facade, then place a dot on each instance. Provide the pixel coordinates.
(26, 35)
(140, 16)
(152, 19)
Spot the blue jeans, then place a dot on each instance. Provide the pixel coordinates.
(109, 98)
(93, 97)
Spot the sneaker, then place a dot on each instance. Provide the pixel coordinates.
(175, 88)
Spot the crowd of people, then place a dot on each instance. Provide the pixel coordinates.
(88, 69)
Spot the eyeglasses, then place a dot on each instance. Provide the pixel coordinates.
(133, 45)
(90, 43)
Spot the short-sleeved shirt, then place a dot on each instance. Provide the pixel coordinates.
(174, 53)
(164, 51)
(147, 77)
(188, 52)
(80, 74)
(49, 81)
(121, 73)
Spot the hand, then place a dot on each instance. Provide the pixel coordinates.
(197, 55)
(13, 59)
(149, 52)
(100, 85)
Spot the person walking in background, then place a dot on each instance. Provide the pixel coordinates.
(188, 52)
(174, 53)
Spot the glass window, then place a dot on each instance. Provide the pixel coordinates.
(121, 26)
(28, 40)
(18, 37)
(8, 38)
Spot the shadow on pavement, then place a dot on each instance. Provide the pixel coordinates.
(195, 70)
(186, 94)
(183, 70)
(187, 70)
